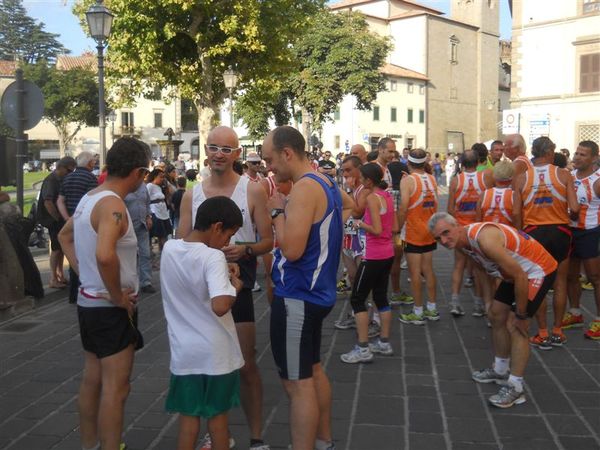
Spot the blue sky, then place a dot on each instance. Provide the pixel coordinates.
(57, 16)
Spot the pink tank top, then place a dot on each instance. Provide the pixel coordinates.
(380, 247)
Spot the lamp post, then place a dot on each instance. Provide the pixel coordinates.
(230, 78)
(99, 20)
(112, 117)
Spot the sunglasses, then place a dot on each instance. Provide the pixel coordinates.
(216, 149)
(254, 163)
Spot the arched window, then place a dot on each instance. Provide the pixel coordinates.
(454, 41)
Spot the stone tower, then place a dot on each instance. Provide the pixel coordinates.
(485, 15)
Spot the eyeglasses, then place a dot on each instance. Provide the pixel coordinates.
(216, 148)
(254, 163)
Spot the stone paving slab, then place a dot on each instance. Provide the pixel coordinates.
(422, 397)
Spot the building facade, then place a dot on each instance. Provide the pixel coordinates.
(555, 88)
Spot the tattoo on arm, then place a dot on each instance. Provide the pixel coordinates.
(118, 217)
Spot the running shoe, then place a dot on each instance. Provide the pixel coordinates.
(342, 287)
(382, 348)
(256, 287)
(374, 329)
(401, 299)
(478, 310)
(404, 264)
(571, 320)
(346, 323)
(586, 285)
(540, 342)
(489, 375)
(357, 355)
(207, 443)
(123, 446)
(469, 282)
(456, 310)
(557, 340)
(593, 332)
(431, 314)
(507, 396)
(261, 446)
(412, 318)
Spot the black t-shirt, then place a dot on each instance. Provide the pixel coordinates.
(396, 169)
(49, 191)
(176, 201)
(328, 165)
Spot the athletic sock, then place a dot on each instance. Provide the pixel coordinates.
(384, 340)
(501, 365)
(575, 311)
(516, 382)
(478, 300)
(256, 442)
(320, 444)
(543, 332)
(363, 345)
(556, 330)
(95, 447)
(418, 310)
(454, 299)
(431, 306)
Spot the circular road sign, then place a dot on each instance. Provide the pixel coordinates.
(33, 105)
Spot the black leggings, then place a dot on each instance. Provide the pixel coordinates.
(372, 275)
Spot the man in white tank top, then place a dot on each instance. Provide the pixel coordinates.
(100, 243)
(222, 149)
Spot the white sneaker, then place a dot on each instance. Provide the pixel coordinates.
(382, 348)
(256, 287)
(357, 355)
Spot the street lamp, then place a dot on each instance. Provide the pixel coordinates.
(230, 78)
(99, 20)
(112, 117)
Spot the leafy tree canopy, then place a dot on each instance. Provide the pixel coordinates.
(21, 37)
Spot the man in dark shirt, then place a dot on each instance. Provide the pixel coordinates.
(326, 165)
(48, 215)
(73, 188)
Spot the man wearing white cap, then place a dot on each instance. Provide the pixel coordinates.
(253, 162)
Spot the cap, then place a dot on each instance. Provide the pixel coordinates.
(253, 157)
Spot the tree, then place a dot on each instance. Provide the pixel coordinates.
(338, 57)
(70, 99)
(21, 37)
(187, 44)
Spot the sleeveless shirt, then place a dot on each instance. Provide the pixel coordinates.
(497, 205)
(421, 206)
(544, 197)
(589, 202)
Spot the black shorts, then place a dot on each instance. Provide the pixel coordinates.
(161, 228)
(53, 231)
(556, 239)
(585, 243)
(538, 288)
(411, 248)
(243, 307)
(296, 336)
(106, 331)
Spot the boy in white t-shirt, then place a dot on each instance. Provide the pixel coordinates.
(198, 289)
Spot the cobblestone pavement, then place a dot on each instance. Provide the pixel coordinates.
(420, 398)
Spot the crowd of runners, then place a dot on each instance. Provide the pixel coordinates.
(520, 227)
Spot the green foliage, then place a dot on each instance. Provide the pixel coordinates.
(70, 98)
(338, 56)
(21, 37)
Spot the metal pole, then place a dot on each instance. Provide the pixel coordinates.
(230, 108)
(20, 137)
(101, 112)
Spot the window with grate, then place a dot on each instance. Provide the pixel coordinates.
(589, 132)
(589, 73)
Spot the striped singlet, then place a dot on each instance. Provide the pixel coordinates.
(468, 189)
(497, 205)
(535, 261)
(421, 206)
(544, 197)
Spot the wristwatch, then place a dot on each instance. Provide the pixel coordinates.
(276, 211)
(249, 251)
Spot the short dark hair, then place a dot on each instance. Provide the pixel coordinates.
(238, 167)
(470, 159)
(66, 162)
(372, 156)
(560, 160)
(181, 181)
(497, 142)
(481, 150)
(355, 160)
(591, 145)
(542, 146)
(218, 209)
(417, 153)
(374, 173)
(125, 155)
(286, 136)
(383, 142)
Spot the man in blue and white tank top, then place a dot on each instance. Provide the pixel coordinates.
(100, 243)
(309, 235)
(222, 150)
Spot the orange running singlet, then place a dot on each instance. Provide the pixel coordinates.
(421, 206)
(497, 205)
(544, 197)
(468, 189)
(534, 259)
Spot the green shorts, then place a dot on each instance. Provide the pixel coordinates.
(203, 395)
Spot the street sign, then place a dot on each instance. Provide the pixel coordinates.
(510, 121)
(33, 105)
